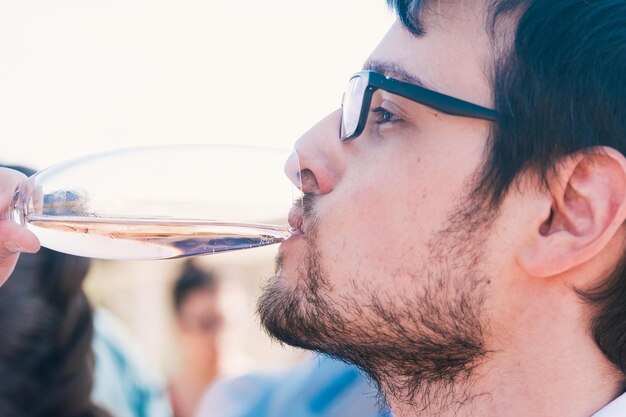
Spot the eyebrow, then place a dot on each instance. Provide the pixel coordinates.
(394, 70)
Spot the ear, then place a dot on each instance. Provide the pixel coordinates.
(587, 207)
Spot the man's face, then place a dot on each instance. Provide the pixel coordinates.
(200, 323)
(390, 270)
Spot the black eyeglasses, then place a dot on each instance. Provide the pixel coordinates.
(361, 87)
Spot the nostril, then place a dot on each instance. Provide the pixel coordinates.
(309, 182)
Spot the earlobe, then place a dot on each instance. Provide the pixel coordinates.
(588, 195)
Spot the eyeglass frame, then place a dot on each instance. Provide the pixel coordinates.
(438, 101)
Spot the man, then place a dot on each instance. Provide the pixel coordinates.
(463, 243)
(468, 255)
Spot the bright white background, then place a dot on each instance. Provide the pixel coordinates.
(81, 76)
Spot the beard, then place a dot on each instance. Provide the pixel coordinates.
(420, 348)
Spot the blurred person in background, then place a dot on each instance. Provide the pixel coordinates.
(125, 382)
(46, 360)
(199, 321)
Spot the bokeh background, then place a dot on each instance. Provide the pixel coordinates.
(83, 76)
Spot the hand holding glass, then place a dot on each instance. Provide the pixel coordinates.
(158, 203)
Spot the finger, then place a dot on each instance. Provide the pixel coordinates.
(13, 240)
(13, 237)
(7, 265)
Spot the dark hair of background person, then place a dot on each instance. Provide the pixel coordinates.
(559, 88)
(46, 361)
(190, 280)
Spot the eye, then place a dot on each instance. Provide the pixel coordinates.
(380, 115)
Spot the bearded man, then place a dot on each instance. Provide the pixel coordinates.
(461, 236)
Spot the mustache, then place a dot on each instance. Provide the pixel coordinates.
(307, 202)
(305, 206)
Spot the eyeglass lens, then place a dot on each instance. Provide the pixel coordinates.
(351, 106)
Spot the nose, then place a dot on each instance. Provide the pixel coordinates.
(319, 164)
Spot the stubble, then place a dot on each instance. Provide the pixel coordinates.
(420, 348)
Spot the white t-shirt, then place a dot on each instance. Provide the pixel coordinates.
(617, 408)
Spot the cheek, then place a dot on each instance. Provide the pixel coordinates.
(376, 223)
(381, 218)
(386, 211)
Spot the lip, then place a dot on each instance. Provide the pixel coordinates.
(296, 236)
(296, 219)
(296, 223)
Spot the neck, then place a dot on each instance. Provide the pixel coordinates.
(554, 392)
(547, 368)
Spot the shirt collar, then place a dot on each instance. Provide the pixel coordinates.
(616, 408)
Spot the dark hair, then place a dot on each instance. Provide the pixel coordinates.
(190, 280)
(559, 88)
(46, 361)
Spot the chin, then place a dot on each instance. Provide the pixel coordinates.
(289, 260)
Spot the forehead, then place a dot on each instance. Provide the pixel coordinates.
(454, 55)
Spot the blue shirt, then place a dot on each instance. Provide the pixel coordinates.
(123, 383)
(321, 387)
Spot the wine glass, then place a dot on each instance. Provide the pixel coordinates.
(160, 202)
